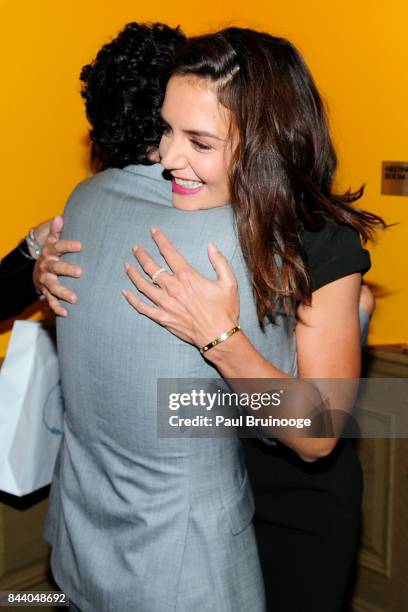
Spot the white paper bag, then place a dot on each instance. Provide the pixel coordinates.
(31, 409)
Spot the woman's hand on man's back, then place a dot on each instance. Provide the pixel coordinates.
(49, 267)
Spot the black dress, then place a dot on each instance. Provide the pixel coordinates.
(16, 282)
(307, 515)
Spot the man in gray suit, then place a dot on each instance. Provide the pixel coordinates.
(138, 522)
(144, 523)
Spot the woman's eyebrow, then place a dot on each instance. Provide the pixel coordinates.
(193, 132)
(202, 133)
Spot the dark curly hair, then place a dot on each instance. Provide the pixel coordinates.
(123, 89)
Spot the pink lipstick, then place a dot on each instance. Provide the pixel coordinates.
(183, 190)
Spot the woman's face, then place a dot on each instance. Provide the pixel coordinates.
(195, 146)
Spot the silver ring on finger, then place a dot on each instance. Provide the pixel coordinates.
(156, 274)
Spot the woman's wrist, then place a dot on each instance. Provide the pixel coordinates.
(221, 338)
(223, 353)
(36, 238)
(33, 246)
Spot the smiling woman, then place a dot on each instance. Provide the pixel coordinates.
(195, 146)
(245, 123)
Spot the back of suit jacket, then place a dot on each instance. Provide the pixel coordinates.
(137, 521)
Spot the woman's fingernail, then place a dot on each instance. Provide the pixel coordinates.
(153, 229)
(135, 248)
(213, 248)
(124, 292)
(127, 266)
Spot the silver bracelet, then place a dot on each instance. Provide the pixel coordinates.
(32, 242)
(23, 249)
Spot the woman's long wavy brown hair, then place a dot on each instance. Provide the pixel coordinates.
(281, 178)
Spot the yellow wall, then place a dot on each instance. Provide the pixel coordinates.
(358, 52)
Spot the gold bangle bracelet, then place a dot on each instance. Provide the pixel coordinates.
(220, 339)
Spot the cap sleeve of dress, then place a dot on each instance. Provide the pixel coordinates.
(334, 252)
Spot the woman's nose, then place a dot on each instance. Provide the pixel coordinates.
(172, 154)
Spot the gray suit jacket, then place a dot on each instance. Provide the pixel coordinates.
(138, 522)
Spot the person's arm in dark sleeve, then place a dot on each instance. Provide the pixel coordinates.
(16, 282)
